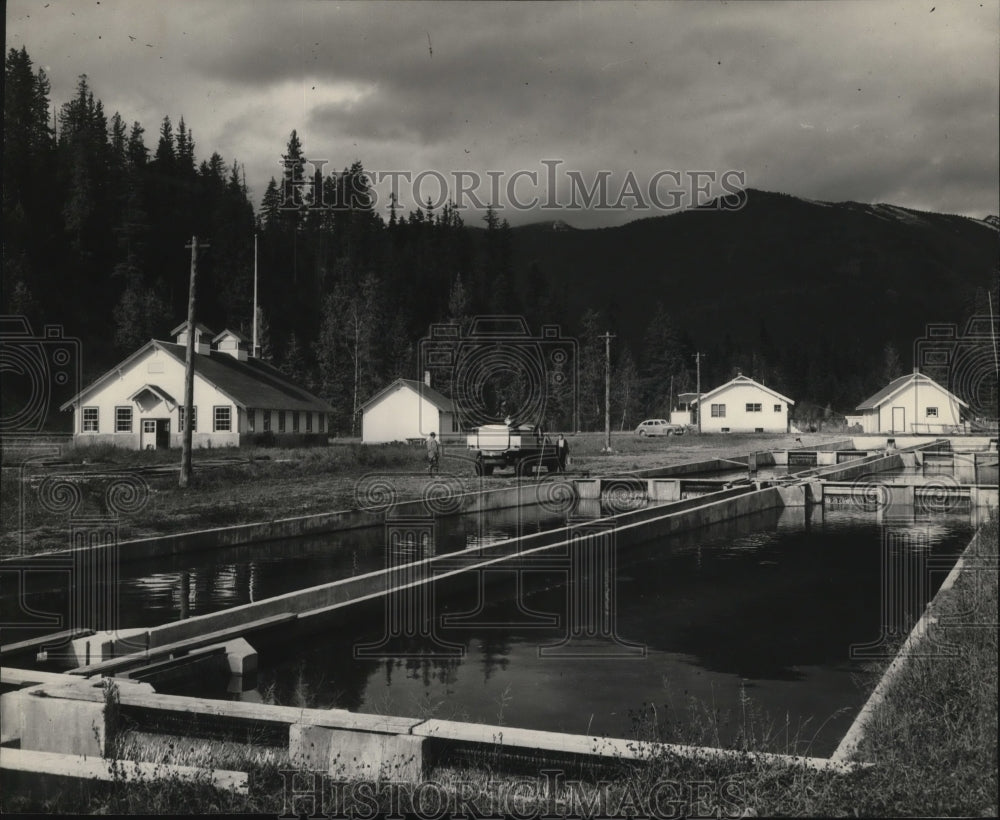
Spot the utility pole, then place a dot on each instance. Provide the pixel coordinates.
(607, 390)
(253, 346)
(697, 364)
(185, 475)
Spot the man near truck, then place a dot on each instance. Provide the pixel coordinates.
(562, 449)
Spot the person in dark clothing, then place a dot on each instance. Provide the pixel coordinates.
(562, 450)
(433, 453)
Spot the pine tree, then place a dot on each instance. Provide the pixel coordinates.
(662, 360)
(591, 372)
(165, 156)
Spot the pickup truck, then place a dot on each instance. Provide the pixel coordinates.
(525, 448)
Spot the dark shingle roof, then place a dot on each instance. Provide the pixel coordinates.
(439, 400)
(896, 385)
(252, 383)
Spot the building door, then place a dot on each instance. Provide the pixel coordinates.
(148, 434)
(162, 434)
(898, 420)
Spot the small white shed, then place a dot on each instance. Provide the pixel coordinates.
(407, 409)
(912, 404)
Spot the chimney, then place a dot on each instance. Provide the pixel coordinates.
(427, 378)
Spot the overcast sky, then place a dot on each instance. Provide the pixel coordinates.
(867, 101)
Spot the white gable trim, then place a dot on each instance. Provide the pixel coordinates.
(917, 381)
(745, 381)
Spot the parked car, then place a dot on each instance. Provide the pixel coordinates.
(659, 427)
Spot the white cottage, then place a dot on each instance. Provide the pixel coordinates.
(407, 409)
(744, 406)
(238, 399)
(912, 404)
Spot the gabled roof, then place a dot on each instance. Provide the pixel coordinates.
(441, 402)
(745, 381)
(197, 326)
(252, 383)
(900, 384)
(234, 333)
(156, 390)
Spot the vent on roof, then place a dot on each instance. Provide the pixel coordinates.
(231, 343)
(202, 337)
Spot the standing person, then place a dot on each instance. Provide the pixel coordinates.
(562, 450)
(433, 453)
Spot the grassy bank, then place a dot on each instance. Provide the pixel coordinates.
(932, 744)
(244, 485)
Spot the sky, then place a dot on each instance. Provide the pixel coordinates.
(590, 112)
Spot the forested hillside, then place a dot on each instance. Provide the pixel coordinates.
(820, 301)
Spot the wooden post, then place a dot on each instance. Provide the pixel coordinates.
(253, 345)
(697, 364)
(185, 475)
(607, 391)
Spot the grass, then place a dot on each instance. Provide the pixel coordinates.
(248, 484)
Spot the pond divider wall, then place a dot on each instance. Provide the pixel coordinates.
(50, 711)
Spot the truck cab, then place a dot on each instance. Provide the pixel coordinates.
(524, 447)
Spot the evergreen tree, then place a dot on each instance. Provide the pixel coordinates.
(663, 367)
(625, 390)
(591, 372)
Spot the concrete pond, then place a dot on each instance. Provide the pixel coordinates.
(748, 592)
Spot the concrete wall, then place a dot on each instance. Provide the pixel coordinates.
(349, 745)
(319, 602)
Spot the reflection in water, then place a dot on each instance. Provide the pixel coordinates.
(768, 605)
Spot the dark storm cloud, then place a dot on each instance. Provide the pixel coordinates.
(852, 100)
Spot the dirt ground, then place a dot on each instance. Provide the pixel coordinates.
(244, 486)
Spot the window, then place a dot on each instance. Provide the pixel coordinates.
(932, 412)
(718, 411)
(267, 421)
(753, 408)
(149, 426)
(725, 429)
(251, 419)
(123, 419)
(777, 408)
(295, 422)
(309, 422)
(758, 429)
(90, 419)
(223, 419)
(194, 420)
(281, 421)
